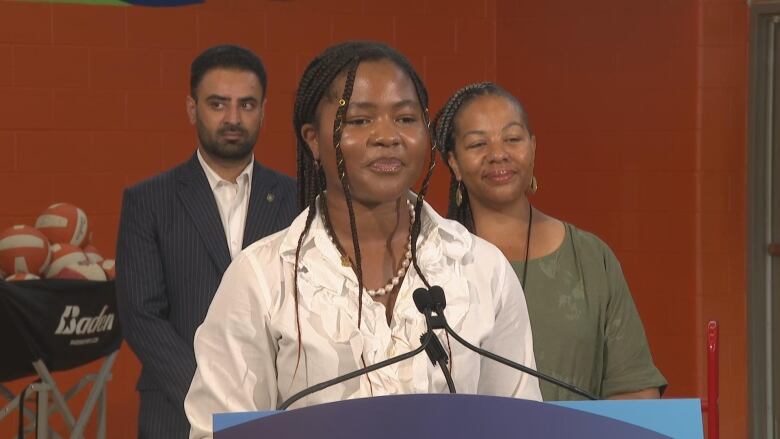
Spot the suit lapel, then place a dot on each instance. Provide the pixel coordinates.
(262, 203)
(198, 199)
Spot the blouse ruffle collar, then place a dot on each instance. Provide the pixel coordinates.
(325, 284)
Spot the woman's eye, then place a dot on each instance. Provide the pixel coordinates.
(357, 121)
(476, 145)
(407, 119)
(514, 139)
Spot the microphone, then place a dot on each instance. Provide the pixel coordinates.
(425, 340)
(434, 349)
(438, 302)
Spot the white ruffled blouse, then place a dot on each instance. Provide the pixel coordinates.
(247, 347)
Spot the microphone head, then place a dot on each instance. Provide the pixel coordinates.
(422, 300)
(437, 297)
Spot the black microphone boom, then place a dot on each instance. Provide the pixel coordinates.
(436, 352)
(426, 340)
(438, 302)
(424, 303)
(354, 374)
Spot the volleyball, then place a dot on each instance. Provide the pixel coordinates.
(64, 223)
(23, 250)
(110, 268)
(93, 255)
(87, 271)
(63, 255)
(21, 276)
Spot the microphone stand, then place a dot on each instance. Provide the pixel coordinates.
(425, 338)
(435, 350)
(428, 342)
(439, 303)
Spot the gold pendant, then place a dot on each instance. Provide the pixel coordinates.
(345, 262)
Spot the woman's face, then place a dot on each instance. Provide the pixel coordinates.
(384, 139)
(494, 152)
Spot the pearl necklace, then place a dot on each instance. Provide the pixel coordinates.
(404, 264)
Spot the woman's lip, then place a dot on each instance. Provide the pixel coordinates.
(499, 176)
(386, 165)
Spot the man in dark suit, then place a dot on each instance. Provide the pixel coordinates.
(179, 231)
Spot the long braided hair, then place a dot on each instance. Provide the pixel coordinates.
(444, 129)
(315, 85)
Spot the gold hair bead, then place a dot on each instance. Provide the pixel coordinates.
(342, 102)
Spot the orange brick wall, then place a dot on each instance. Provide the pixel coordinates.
(639, 109)
(721, 203)
(640, 113)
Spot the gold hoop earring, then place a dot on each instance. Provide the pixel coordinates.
(458, 195)
(534, 186)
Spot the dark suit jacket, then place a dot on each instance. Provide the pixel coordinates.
(171, 254)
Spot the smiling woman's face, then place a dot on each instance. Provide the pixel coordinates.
(384, 138)
(494, 151)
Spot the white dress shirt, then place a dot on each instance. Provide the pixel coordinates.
(247, 347)
(232, 201)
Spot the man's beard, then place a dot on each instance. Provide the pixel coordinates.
(229, 150)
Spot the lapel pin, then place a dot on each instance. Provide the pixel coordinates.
(270, 197)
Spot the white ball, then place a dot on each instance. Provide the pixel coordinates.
(93, 255)
(63, 255)
(64, 223)
(87, 271)
(109, 267)
(21, 276)
(23, 249)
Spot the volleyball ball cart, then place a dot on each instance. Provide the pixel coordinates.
(56, 325)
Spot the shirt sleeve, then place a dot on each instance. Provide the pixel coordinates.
(234, 350)
(628, 364)
(510, 338)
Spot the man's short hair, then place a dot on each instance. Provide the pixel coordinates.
(226, 56)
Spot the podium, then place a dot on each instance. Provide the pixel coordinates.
(469, 416)
(55, 325)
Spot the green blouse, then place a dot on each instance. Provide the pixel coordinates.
(585, 325)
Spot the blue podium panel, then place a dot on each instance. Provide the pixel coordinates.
(434, 416)
(677, 418)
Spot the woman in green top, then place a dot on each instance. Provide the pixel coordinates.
(585, 326)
